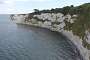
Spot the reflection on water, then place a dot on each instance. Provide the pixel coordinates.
(22, 42)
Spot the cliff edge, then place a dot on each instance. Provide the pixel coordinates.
(73, 22)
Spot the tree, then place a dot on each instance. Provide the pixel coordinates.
(36, 10)
(72, 6)
(66, 10)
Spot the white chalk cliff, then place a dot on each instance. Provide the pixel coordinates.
(55, 22)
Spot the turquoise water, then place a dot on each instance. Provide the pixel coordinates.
(22, 42)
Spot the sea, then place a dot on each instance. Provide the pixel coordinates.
(24, 42)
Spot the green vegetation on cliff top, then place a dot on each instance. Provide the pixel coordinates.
(82, 24)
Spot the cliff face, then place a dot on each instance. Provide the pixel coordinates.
(57, 22)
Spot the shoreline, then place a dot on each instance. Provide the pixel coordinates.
(65, 34)
(56, 22)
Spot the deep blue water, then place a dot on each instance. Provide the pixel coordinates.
(22, 42)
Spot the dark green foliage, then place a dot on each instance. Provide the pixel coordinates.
(36, 10)
(83, 21)
(65, 10)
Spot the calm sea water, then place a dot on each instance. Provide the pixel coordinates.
(22, 42)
